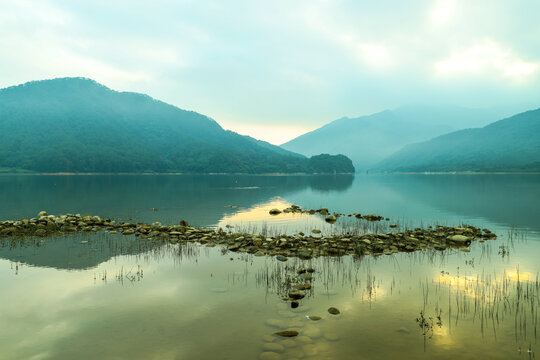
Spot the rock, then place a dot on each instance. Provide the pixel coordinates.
(393, 225)
(42, 213)
(403, 330)
(287, 333)
(323, 211)
(275, 212)
(275, 347)
(310, 270)
(40, 232)
(296, 295)
(304, 255)
(313, 318)
(333, 311)
(316, 231)
(302, 286)
(281, 258)
(294, 304)
(270, 355)
(460, 239)
(234, 247)
(330, 219)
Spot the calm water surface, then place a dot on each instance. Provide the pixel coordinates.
(107, 296)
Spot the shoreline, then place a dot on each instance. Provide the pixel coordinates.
(263, 174)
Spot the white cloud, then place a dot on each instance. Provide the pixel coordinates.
(442, 12)
(486, 58)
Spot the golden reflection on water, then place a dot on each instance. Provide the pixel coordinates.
(485, 286)
(257, 219)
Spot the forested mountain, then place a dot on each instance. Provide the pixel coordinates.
(369, 139)
(511, 144)
(78, 125)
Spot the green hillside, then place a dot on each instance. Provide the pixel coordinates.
(78, 125)
(512, 145)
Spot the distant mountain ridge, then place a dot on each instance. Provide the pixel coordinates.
(78, 125)
(367, 140)
(508, 145)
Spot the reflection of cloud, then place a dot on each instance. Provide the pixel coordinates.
(257, 217)
(486, 287)
(441, 336)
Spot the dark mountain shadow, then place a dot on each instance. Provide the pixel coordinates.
(73, 252)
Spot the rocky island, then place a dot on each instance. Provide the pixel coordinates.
(303, 246)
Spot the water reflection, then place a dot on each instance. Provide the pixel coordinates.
(200, 199)
(196, 302)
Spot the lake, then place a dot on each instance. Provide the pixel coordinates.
(108, 296)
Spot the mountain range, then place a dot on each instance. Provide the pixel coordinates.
(78, 125)
(368, 140)
(508, 145)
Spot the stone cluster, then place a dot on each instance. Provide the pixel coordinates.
(295, 209)
(297, 245)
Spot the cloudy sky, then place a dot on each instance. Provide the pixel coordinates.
(275, 69)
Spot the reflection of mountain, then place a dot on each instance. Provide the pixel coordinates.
(74, 252)
(199, 199)
(510, 200)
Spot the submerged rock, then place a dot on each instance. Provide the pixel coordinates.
(333, 311)
(330, 219)
(275, 212)
(287, 333)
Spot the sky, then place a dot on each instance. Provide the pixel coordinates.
(274, 69)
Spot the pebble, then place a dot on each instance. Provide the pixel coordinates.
(333, 311)
(287, 333)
